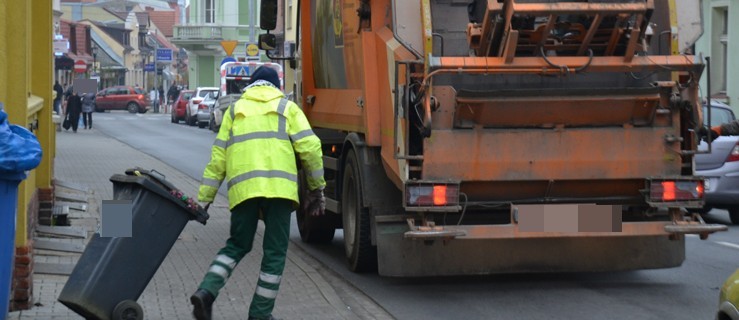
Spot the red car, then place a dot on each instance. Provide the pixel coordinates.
(122, 98)
(179, 108)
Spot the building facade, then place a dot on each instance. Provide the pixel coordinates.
(210, 22)
(720, 41)
(26, 80)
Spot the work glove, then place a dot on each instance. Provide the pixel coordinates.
(706, 134)
(315, 203)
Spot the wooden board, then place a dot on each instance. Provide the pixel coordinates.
(48, 244)
(64, 269)
(76, 232)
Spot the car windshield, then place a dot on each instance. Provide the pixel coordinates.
(187, 96)
(210, 96)
(139, 90)
(718, 116)
(203, 93)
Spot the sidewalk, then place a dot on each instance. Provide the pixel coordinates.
(89, 158)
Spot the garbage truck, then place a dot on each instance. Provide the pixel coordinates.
(501, 136)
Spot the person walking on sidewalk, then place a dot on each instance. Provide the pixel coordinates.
(88, 106)
(255, 152)
(74, 107)
(154, 98)
(58, 99)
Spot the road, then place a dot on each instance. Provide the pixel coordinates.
(687, 292)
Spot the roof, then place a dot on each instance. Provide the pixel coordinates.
(164, 20)
(120, 15)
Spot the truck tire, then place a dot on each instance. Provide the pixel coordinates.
(360, 253)
(734, 215)
(312, 229)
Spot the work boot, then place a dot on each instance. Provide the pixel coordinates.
(202, 302)
(269, 317)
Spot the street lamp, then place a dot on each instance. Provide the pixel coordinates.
(94, 59)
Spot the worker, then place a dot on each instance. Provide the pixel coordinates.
(726, 129)
(255, 152)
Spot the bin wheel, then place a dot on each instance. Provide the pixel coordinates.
(128, 310)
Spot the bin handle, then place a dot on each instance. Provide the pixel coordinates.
(159, 174)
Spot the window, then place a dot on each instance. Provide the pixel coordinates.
(724, 39)
(210, 11)
(73, 38)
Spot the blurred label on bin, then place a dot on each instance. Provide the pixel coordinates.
(116, 219)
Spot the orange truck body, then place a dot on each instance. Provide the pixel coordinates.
(471, 137)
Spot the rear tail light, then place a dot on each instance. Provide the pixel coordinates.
(432, 195)
(675, 190)
(734, 155)
(202, 107)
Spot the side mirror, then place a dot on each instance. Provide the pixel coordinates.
(268, 15)
(267, 41)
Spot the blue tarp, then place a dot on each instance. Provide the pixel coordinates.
(19, 149)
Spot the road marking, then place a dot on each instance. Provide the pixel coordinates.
(728, 244)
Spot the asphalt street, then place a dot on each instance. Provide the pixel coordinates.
(687, 292)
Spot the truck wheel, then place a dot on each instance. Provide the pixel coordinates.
(128, 310)
(132, 107)
(312, 229)
(360, 253)
(734, 215)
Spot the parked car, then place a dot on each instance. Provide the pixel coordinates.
(179, 107)
(204, 109)
(219, 108)
(192, 106)
(122, 98)
(720, 168)
(729, 298)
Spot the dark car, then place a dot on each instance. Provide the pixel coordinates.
(179, 108)
(122, 98)
(720, 168)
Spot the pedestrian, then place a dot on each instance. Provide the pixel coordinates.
(74, 107)
(263, 179)
(88, 106)
(171, 96)
(58, 99)
(154, 98)
(161, 95)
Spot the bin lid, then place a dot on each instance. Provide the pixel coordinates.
(13, 176)
(158, 185)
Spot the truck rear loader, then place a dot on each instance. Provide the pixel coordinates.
(478, 137)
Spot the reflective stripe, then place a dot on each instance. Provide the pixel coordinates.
(231, 263)
(282, 106)
(301, 135)
(262, 174)
(231, 110)
(218, 270)
(315, 174)
(257, 135)
(267, 293)
(270, 278)
(211, 182)
(282, 121)
(220, 143)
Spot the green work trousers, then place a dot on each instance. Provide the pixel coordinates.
(244, 217)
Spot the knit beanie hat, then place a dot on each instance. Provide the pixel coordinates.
(266, 74)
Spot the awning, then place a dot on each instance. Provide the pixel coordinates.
(63, 63)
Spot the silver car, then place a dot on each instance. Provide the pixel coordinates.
(204, 108)
(720, 167)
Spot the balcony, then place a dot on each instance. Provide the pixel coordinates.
(188, 33)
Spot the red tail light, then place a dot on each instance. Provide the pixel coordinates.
(202, 107)
(734, 155)
(428, 194)
(675, 190)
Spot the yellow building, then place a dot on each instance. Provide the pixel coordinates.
(26, 72)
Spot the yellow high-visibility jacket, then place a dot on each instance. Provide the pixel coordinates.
(255, 150)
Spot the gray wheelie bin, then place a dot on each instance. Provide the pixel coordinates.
(112, 272)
